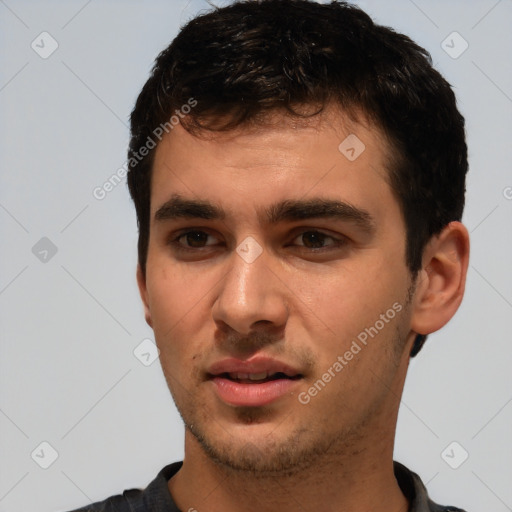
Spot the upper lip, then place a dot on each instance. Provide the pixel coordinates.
(254, 365)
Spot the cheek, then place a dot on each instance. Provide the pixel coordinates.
(179, 301)
(166, 295)
(170, 298)
(345, 304)
(175, 290)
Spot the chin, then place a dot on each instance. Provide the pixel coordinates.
(256, 448)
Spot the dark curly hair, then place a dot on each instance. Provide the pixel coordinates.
(242, 61)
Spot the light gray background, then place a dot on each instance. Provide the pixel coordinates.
(69, 325)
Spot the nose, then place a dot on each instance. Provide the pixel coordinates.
(251, 297)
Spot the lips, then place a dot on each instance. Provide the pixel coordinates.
(252, 383)
(254, 367)
(256, 377)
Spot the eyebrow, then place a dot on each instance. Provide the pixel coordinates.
(289, 210)
(320, 208)
(180, 208)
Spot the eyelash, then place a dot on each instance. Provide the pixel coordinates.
(176, 240)
(336, 241)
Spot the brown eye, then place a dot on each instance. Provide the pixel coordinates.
(314, 240)
(196, 239)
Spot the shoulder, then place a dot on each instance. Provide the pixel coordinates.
(413, 488)
(155, 497)
(129, 501)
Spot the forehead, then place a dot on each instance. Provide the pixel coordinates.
(281, 158)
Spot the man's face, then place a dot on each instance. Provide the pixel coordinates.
(271, 251)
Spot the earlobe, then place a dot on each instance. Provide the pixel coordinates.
(440, 285)
(141, 282)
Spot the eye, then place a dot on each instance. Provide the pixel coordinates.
(195, 240)
(314, 239)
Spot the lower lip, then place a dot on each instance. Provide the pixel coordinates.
(242, 394)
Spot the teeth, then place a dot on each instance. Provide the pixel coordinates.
(249, 376)
(258, 376)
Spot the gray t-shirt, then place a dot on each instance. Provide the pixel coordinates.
(157, 498)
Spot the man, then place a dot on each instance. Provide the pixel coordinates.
(298, 174)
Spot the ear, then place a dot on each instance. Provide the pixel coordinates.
(441, 282)
(141, 282)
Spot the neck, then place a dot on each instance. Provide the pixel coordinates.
(359, 479)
